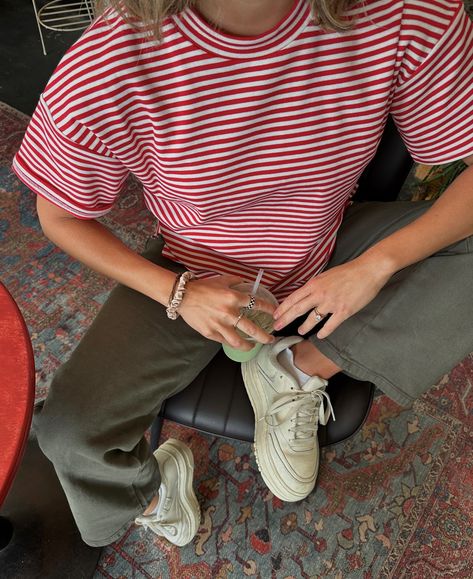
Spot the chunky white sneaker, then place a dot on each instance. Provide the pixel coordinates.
(177, 516)
(286, 422)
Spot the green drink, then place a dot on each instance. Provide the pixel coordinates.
(261, 319)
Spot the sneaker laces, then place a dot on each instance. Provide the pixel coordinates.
(303, 407)
(156, 520)
(158, 526)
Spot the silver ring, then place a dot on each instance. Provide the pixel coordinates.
(318, 315)
(251, 304)
(238, 319)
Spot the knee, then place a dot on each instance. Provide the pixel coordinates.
(60, 424)
(57, 432)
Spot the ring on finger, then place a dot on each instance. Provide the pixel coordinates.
(238, 320)
(251, 303)
(318, 315)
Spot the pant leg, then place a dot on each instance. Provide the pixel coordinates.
(106, 396)
(421, 323)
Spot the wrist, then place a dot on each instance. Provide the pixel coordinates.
(380, 261)
(177, 294)
(151, 280)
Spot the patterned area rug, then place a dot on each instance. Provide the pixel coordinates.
(396, 500)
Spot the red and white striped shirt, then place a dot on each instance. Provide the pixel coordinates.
(249, 148)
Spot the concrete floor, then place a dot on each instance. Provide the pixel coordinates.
(24, 70)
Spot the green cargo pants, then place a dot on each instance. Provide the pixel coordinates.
(105, 397)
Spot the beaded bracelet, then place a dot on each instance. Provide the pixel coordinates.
(177, 295)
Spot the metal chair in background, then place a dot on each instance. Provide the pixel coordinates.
(63, 16)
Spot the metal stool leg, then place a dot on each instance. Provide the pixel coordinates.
(39, 27)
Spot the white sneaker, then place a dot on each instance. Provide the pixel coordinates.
(286, 422)
(177, 516)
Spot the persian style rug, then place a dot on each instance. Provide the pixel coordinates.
(396, 500)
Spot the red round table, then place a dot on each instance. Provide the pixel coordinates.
(38, 536)
(17, 379)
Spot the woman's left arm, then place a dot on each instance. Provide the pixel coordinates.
(449, 220)
(345, 289)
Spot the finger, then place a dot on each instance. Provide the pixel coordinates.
(262, 306)
(232, 338)
(331, 324)
(254, 331)
(216, 337)
(291, 301)
(310, 322)
(296, 310)
(244, 299)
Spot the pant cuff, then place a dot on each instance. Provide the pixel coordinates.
(359, 372)
(117, 535)
(143, 496)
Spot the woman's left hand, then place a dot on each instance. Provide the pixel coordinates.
(340, 291)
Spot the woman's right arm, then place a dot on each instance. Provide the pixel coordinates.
(210, 306)
(94, 245)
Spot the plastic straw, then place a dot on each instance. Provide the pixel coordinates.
(257, 281)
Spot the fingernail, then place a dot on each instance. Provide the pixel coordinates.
(277, 326)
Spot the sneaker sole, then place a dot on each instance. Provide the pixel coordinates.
(266, 466)
(182, 456)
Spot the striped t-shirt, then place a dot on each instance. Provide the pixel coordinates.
(249, 148)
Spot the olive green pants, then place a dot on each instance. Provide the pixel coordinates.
(104, 398)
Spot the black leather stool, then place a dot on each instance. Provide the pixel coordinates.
(216, 402)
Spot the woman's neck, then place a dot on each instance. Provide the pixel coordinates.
(244, 17)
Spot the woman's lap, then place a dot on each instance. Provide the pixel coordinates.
(412, 317)
(133, 357)
(420, 324)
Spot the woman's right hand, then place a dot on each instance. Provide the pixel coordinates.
(212, 307)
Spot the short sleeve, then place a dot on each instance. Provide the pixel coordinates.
(83, 178)
(433, 104)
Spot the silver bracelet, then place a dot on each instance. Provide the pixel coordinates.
(176, 299)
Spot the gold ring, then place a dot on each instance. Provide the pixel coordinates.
(238, 319)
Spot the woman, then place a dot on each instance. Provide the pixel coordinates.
(249, 124)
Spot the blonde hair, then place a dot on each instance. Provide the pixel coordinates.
(329, 14)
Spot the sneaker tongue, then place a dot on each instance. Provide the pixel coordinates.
(283, 370)
(314, 383)
(285, 342)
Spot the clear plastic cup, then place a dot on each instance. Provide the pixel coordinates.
(261, 319)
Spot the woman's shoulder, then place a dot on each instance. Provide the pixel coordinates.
(407, 8)
(428, 4)
(109, 48)
(111, 55)
(430, 18)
